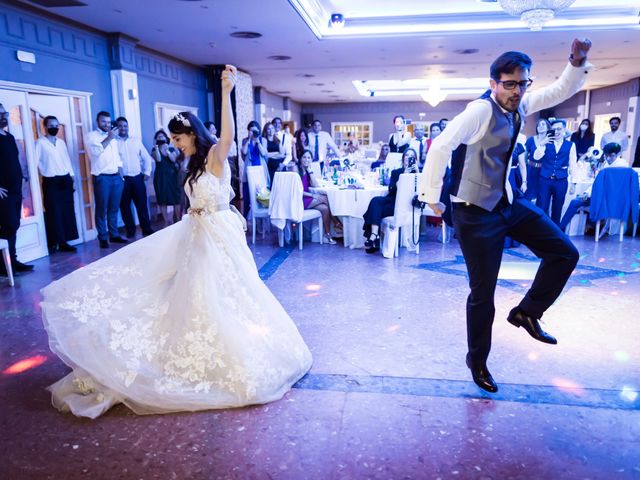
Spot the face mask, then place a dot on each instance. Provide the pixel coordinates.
(161, 141)
(583, 128)
(53, 131)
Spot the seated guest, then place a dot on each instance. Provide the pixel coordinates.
(165, 177)
(419, 144)
(315, 201)
(611, 155)
(57, 188)
(382, 158)
(400, 138)
(381, 207)
(584, 138)
(558, 156)
(136, 169)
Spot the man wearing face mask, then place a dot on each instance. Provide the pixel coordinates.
(11, 178)
(57, 188)
(615, 136)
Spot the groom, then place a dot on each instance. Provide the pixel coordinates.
(480, 141)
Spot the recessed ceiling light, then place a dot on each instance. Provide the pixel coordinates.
(279, 58)
(326, 91)
(466, 51)
(448, 71)
(305, 75)
(317, 84)
(283, 92)
(245, 35)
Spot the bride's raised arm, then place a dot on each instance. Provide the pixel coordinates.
(220, 151)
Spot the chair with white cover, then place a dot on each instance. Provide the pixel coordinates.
(257, 180)
(4, 248)
(286, 205)
(446, 234)
(405, 217)
(614, 196)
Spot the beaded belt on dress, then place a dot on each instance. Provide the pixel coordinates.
(207, 210)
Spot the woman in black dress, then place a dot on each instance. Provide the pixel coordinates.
(400, 139)
(583, 137)
(381, 207)
(165, 178)
(275, 149)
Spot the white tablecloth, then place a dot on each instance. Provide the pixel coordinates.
(350, 205)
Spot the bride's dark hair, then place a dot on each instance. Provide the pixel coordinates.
(186, 123)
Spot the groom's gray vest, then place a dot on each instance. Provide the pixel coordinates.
(478, 170)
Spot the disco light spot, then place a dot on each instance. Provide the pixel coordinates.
(615, 294)
(621, 356)
(568, 386)
(24, 365)
(602, 260)
(312, 294)
(622, 281)
(628, 394)
(635, 265)
(584, 281)
(313, 287)
(392, 328)
(533, 356)
(621, 274)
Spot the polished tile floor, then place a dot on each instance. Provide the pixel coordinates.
(388, 396)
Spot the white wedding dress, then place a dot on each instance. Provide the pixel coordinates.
(177, 321)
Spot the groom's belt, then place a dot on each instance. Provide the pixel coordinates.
(207, 210)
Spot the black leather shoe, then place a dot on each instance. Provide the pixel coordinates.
(21, 267)
(131, 234)
(148, 232)
(104, 244)
(482, 377)
(117, 240)
(519, 318)
(65, 247)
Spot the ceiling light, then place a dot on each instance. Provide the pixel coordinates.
(245, 35)
(337, 20)
(279, 58)
(534, 13)
(434, 95)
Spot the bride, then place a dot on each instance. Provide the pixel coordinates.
(179, 320)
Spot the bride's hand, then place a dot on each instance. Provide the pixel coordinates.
(229, 78)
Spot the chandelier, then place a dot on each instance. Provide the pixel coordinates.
(434, 95)
(534, 13)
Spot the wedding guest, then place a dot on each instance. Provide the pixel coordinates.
(10, 193)
(316, 201)
(106, 171)
(253, 154)
(443, 123)
(616, 135)
(319, 142)
(213, 131)
(301, 143)
(381, 207)
(434, 131)
(400, 138)
(611, 154)
(583, 137)
(57, 174)
(275, 149)
(533, 165)
(558, 156)
(165, 177)
(285, 139)
(136, 169)
(382, 157)
(419, 144)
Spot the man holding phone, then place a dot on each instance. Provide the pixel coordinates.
(108, 182)
(558, 157)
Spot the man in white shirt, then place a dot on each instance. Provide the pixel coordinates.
(319, 141)
(106, 171)
(57, 188)
(611, 154)
(615, 135)
(480, 142)
(286, 140)
(419, 144)
(136, 169)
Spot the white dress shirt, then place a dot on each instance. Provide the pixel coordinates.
(324, 140)
(103, 160)
(53, 160)
(471, 125)
(415, 144)
(619, 137)
(134, 157)
(287, 143)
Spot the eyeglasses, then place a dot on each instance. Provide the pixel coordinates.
(512, 84)
(5, 114)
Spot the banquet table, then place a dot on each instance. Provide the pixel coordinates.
(350, 204)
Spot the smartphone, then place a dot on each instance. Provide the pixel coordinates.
(551, 133)
(114, 125)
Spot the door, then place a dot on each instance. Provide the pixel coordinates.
(32, 241)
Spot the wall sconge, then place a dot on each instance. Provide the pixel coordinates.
(337, 20)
